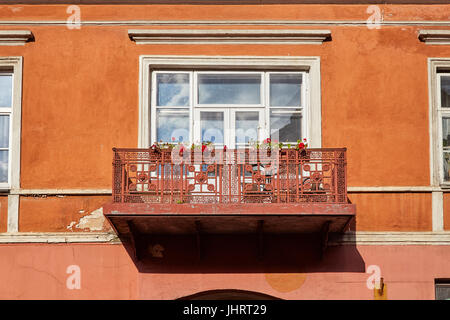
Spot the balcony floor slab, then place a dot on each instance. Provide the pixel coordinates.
(295, 218)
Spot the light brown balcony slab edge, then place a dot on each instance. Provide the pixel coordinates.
(228, 209)
(149, 219)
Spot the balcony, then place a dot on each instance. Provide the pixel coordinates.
(182, 192)
(232, 177)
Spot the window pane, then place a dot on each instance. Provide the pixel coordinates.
(229, 88)
(212, 126)
(285, 90)
(246, 126)
(4, 131)
(442, 291)
(172, 89)
(285, 125)
(3, 166)
(5, 90)
(172, 125)
(445, 92)
(446, 147)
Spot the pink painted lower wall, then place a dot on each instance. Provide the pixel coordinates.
(38, 271)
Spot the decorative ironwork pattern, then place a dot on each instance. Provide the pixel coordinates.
(149, 176)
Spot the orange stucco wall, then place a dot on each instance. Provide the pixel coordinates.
(3, 213)
(392, 211)
(61, 214)
(446, 211)
(80, 99)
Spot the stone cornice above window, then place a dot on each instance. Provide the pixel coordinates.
(435, 36)
(15, 37)
(229, 36)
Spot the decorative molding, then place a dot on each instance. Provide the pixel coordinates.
(58, 237)
(396, 189)
(68, 192)
(291, 23)
(349, 238)
(228, 36)
(223, 2)
(391, 238)
(440, 37)
(37, 192)
(15, 37)
(13, 213)
(437, 211)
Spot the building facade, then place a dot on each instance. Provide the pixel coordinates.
(364, 212)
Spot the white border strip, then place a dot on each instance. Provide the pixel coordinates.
(13, 213)
(349, 238)
(396, 189)
(58, 237)
(356, 23)
(386, 189)
(392, 238)
(25, 192)
(15, 37)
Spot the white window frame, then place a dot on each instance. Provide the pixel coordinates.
(437, 67)
(8, 112)
(264, 105)
(195, 91)
(155, 107)
(309, 66)
(441, 114)
(304, 103)
(13, 65)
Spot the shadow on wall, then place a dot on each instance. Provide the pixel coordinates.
(242, 253)
(230, 294)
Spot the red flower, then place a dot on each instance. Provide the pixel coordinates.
(268, 140)
(203, 148)
(301, 145)
(224, 148)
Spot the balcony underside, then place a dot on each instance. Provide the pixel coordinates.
(228, 218)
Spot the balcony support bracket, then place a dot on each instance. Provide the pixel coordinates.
(324, 237)
(198, 230)
(260, 232)
(135, 240)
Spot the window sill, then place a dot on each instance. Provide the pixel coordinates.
(5, 188)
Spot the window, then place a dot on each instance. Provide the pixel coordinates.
(10, 118)
(442, 289)
(444, 120)
(6, 102)
(229, 108)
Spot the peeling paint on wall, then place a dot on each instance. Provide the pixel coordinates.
(93, 221)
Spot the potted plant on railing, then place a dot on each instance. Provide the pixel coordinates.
(268, 144)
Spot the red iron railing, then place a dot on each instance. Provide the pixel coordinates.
(234, 176)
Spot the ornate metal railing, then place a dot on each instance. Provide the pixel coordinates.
(234, 176)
